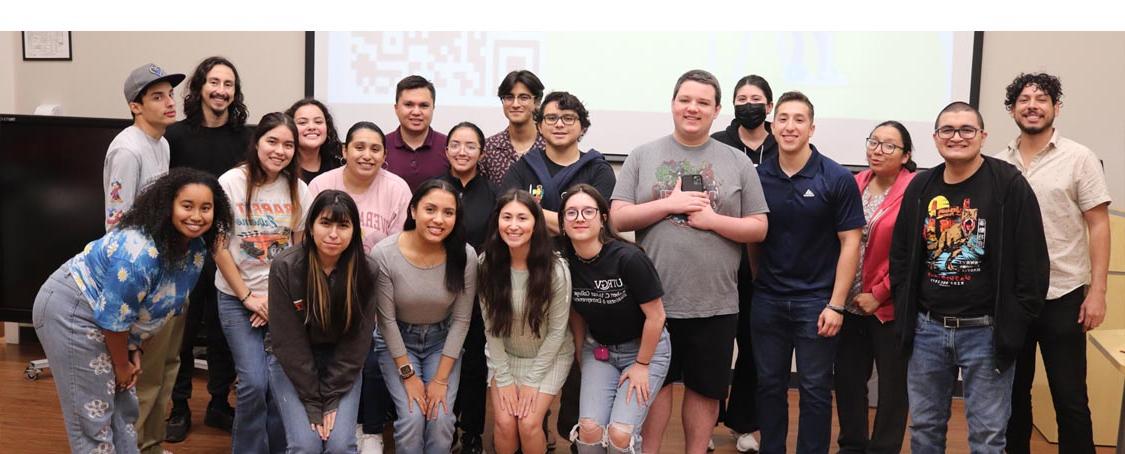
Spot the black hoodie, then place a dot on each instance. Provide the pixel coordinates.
(531, 173)
(1021, 271)
(730, 137)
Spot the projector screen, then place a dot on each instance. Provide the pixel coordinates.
(854, 79)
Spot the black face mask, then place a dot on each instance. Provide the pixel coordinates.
(750, 115)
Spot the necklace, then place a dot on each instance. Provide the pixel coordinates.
(589, 260)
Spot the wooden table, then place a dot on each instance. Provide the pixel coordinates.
(1111, 342)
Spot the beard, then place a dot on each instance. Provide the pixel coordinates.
(1036, 129)
(217, 112)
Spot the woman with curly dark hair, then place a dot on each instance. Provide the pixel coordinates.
(525, 299)
(92, 312)
(270, 202)
(318, 144)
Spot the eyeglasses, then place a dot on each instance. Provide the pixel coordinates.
(458, 146)
(587, 213)
(966, 132)
(883, 147)
(523, 98)
(552, 119)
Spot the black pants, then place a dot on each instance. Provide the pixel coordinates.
(740, 411)
(375, 406)
(863, 340)
(203, 312)
(1063, 344)
(471, 393)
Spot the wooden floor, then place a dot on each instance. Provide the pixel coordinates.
(31, 421)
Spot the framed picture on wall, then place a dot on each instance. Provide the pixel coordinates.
(47, 46)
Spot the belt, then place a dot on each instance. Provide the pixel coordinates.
(958, 322)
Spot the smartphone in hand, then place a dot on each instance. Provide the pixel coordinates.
(691, 182)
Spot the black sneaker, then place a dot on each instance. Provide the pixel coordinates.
(471, 444)
(179, 422)
(219, 417)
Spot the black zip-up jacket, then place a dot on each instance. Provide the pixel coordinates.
(1018, 254)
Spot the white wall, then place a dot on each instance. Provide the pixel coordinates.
(1091, 66)
(271, 64)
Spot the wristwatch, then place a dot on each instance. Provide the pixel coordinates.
(836, 309)
(406, 371)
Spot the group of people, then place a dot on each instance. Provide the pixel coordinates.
(406, 276)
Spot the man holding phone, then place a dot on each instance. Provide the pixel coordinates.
(803, 269)
(693, 202)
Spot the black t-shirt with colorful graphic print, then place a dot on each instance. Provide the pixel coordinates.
(958, 280)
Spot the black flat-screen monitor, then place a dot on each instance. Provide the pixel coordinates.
(51, 181)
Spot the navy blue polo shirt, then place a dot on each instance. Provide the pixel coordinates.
(798, 257)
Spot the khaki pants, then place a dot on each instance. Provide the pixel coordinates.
(159, 365)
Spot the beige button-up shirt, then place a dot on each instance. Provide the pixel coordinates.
(1068, 180)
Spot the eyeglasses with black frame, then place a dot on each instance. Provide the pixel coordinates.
(553, 119)
(571, 214)
(523, 98)
(882, 147)
(966, 132)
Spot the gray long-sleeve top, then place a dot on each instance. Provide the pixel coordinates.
(416, 295)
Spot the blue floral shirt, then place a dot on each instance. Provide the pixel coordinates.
(128, 287)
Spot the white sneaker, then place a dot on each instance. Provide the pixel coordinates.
(368, 443)
(746, 443)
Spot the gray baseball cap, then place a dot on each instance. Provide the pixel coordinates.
(146, 75)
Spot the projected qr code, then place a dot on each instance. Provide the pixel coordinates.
(464, 66)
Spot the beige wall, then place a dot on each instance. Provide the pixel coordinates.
(272, 64)
(9, 52)
(1092, 68)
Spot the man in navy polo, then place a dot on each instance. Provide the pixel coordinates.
(804, 269)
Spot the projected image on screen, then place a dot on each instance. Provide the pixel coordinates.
(855, 79)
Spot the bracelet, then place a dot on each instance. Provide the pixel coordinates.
(249, 293)
(643, 364)
(836, 309)
(443, 383)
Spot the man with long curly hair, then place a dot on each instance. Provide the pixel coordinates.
(212, 138)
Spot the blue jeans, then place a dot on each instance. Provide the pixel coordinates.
(257, 422)
(298, 433)
(603, 400)
(939, 353)
(781, 326)
(413, 433)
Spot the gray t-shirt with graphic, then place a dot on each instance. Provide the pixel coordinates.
(698, 269)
